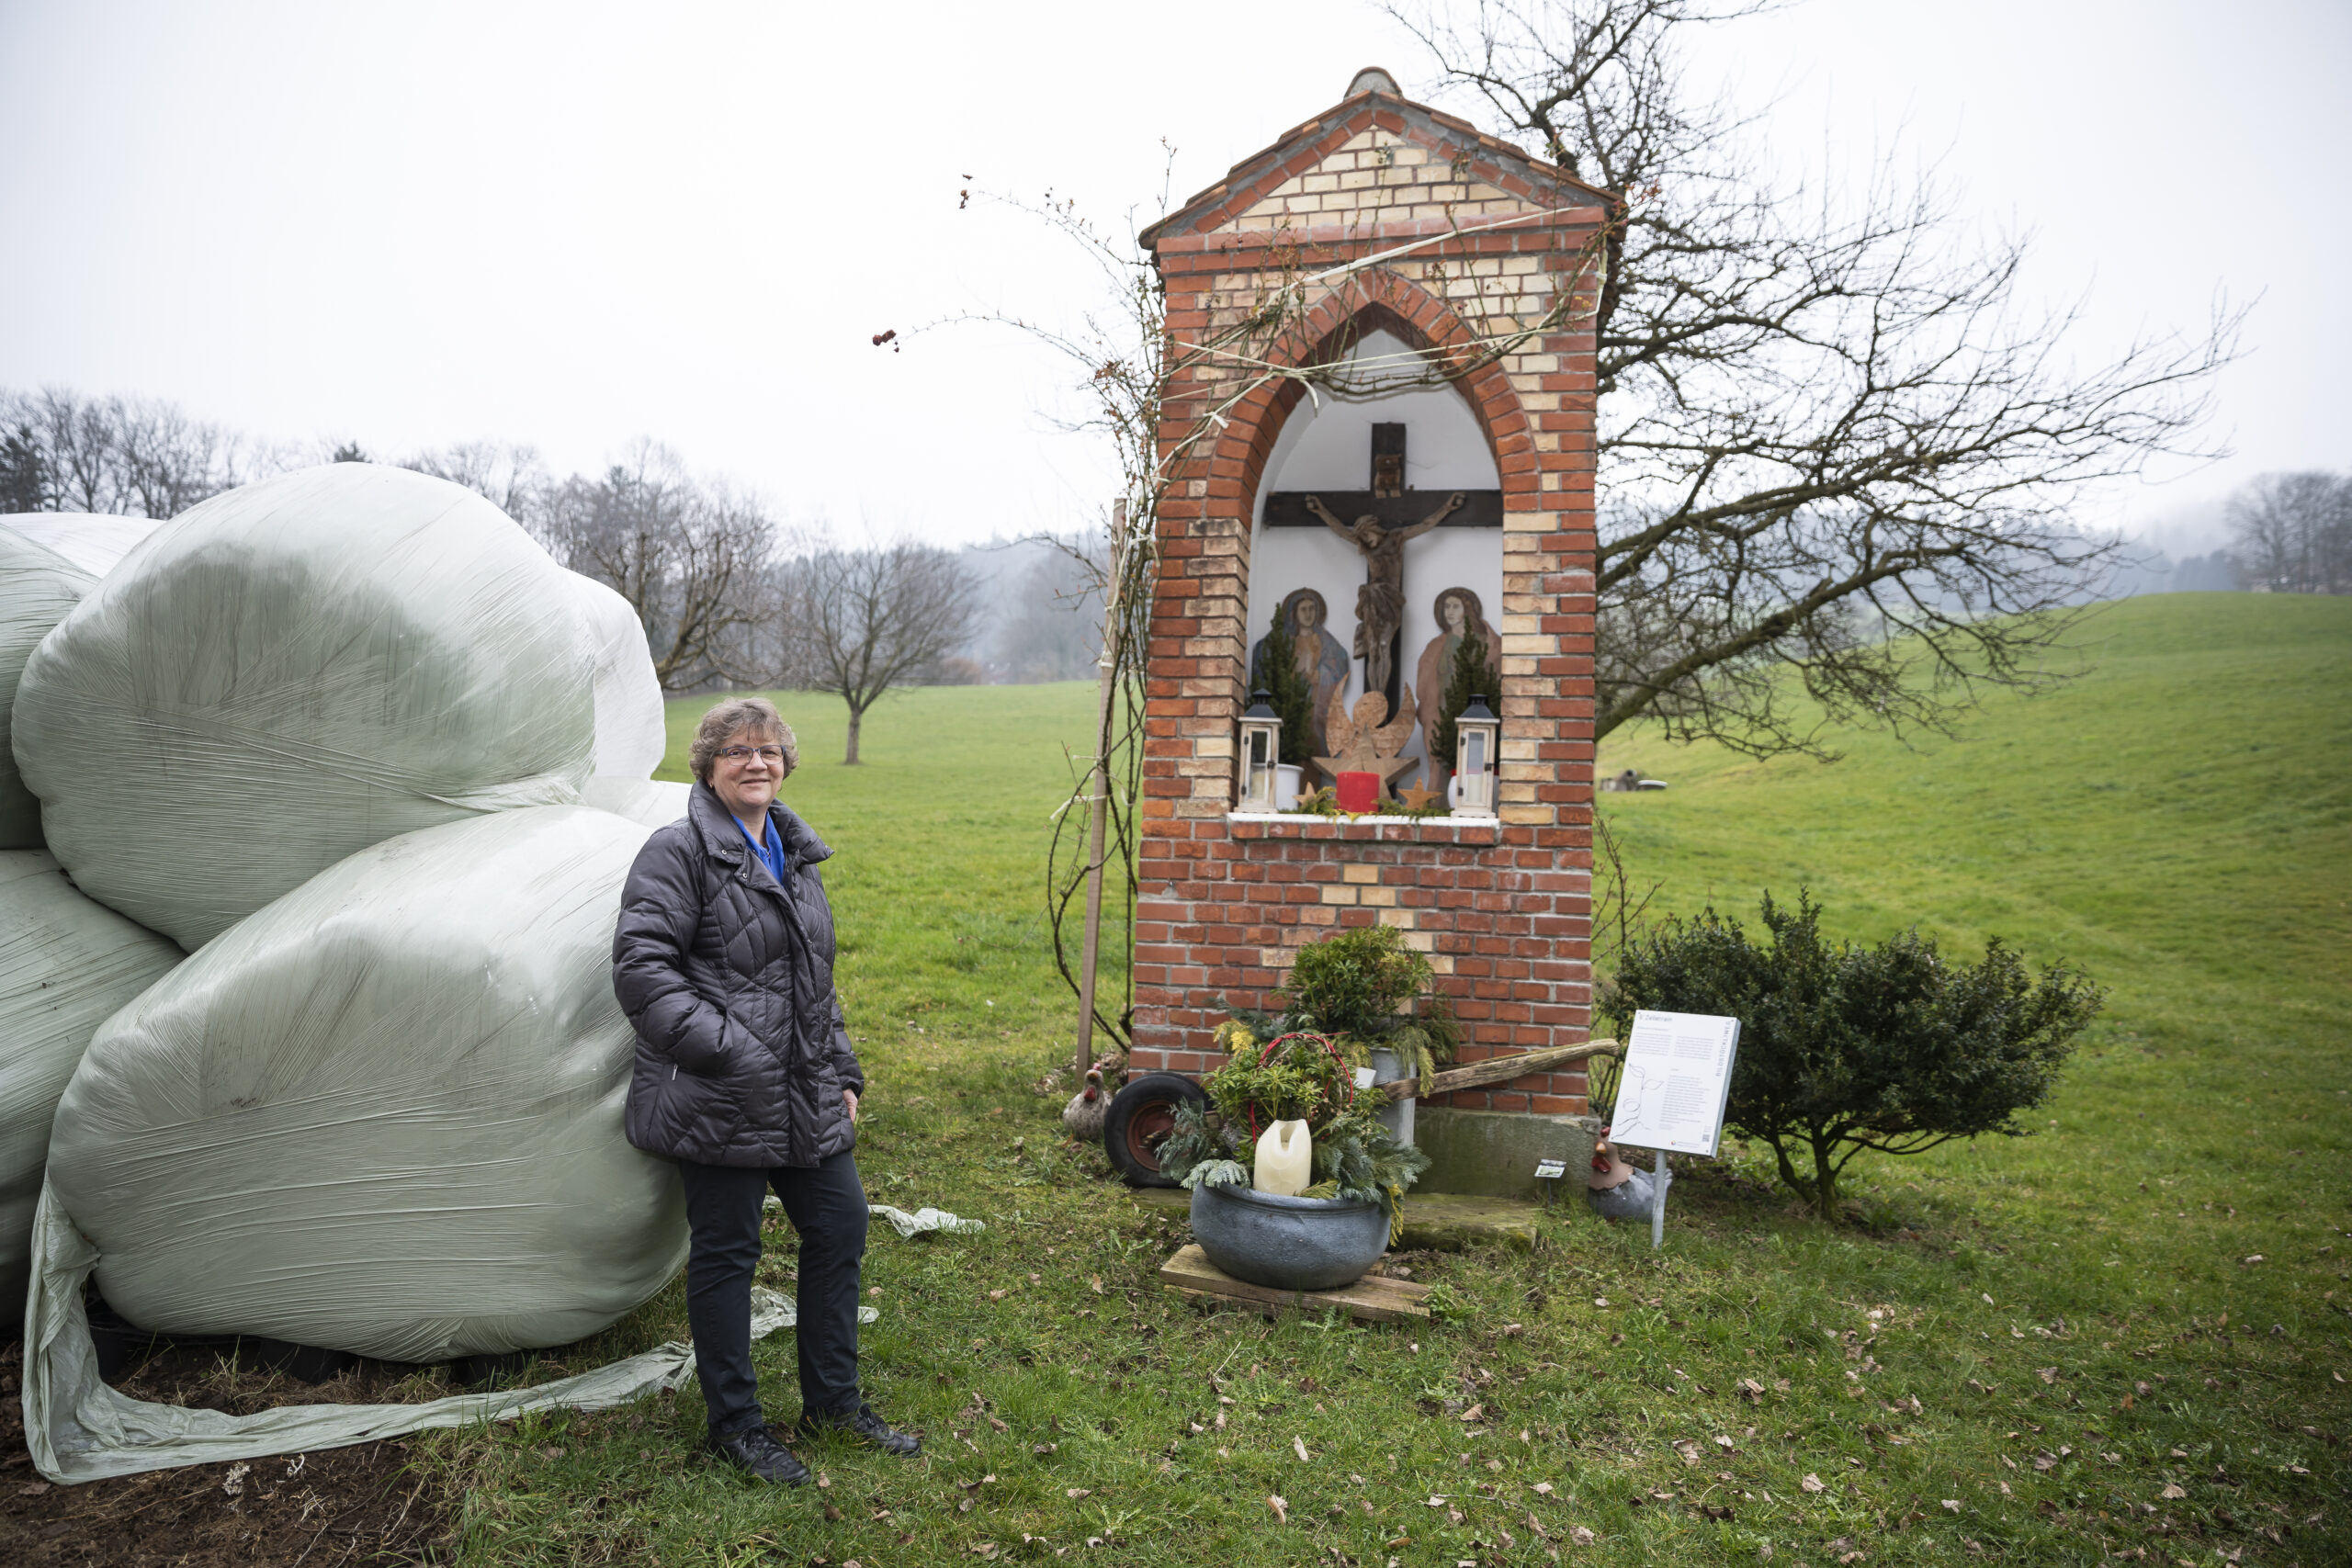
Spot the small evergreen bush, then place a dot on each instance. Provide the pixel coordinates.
(1288, 693)
(1846, 1047)
(1470, 676)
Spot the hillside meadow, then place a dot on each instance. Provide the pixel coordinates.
(2122, 1336)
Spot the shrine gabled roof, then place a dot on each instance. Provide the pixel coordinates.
(1298, 150)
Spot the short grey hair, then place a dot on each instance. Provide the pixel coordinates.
(729, 718)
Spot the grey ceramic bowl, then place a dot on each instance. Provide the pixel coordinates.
(1289, 1244)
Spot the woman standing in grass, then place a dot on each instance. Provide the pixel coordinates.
(724, 961)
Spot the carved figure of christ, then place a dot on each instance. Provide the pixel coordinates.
(1380, 602)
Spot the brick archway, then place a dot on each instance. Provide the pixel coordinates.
(1424, 322)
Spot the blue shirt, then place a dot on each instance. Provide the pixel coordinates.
(771, 854)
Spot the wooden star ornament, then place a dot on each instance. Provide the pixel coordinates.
(1364, 744)
(1418, 799)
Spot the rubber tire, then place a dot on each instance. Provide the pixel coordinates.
(1139, 1112)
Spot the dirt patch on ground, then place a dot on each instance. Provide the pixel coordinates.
(326, 1509)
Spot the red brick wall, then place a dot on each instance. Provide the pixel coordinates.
(1501, 907)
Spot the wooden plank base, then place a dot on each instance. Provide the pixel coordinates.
(1372, 1298)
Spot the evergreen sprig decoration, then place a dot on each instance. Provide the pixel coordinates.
(1288, 693)
(1471, 676)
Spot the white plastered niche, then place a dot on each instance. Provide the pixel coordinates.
(1328, 446)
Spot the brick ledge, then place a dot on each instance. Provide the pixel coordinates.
(1366, 829)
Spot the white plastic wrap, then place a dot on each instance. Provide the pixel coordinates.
(93, 541)
(383, 1114)
(632, 724)
(654, 803)
(66, 966)
(295, 671)
(79, 1429)
(37, 588)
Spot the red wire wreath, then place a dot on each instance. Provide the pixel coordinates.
(1346, 1080)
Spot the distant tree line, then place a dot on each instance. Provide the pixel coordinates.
(731, 595)
(2293, 532)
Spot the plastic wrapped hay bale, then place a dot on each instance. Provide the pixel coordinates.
(37, 588)
(655, 803)
(93, 541)
(305, 666)
(66, 966)
(383, 1114)
(632, 724)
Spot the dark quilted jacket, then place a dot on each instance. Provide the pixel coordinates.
(741, 1055)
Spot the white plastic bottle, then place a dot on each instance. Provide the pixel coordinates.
(1285, 1160)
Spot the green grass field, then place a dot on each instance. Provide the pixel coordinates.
(2125, 1335)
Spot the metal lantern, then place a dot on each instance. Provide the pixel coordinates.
(1477, 731)
(1261, 752)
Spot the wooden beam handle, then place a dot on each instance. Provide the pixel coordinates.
(1499, 1069)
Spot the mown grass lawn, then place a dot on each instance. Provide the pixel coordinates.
(2124, 1336)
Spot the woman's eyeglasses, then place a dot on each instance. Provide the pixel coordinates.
(771, 755)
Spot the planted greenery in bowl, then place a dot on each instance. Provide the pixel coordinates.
(1322, 1220)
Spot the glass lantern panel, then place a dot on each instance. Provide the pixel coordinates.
(1473, 751)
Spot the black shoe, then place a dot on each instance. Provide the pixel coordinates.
(864, 1425)
(757, 1454)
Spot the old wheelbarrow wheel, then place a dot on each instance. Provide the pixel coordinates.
(1139, 1119)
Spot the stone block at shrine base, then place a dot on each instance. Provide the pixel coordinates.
(1494, 1153)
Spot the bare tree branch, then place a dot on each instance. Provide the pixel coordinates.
(1830, 441)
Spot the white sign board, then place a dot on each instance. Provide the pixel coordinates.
(1678, 1075)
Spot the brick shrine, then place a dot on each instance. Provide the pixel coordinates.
(1502, 905)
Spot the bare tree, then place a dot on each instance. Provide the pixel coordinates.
(1830, 441)
(2293, 532)
(510, 477)
(690, 556)
(863, 622)
(124, 456)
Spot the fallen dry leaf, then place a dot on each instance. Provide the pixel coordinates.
(1281, 1508)
(2047, 1375)
(2172, 1492)
(1952, 1503)
(1298, 1446)
(1473, 1413)
(1811, 1482)
(1580, 1535)
(1543, 1489)
(1075, 1492)
(1095, 1281)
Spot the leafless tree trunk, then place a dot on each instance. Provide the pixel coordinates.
(2293, 532)
(863, 621)
(1830, 439)
(691, 558)
(123, 456)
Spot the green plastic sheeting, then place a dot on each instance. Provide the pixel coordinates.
(291, 672)
(66, 964)
(38, 586)
(383, 1114)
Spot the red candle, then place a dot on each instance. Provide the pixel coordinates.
(1359, 792)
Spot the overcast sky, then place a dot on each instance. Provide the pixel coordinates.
(575, 224)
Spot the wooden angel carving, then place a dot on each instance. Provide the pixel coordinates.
(1361, 743)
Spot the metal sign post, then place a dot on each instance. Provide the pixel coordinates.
(1671, 1095)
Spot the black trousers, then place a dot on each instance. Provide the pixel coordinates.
(826, 1204)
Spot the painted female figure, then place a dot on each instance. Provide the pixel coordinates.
(1459, 614)
(1322, 660)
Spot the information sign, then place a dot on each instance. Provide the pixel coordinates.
(1676, 1078)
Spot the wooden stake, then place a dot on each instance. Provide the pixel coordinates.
(1496, 1069)
(1099, 808)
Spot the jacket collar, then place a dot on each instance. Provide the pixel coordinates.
(722, 837)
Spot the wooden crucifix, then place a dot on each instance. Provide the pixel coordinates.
(1378, 522)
